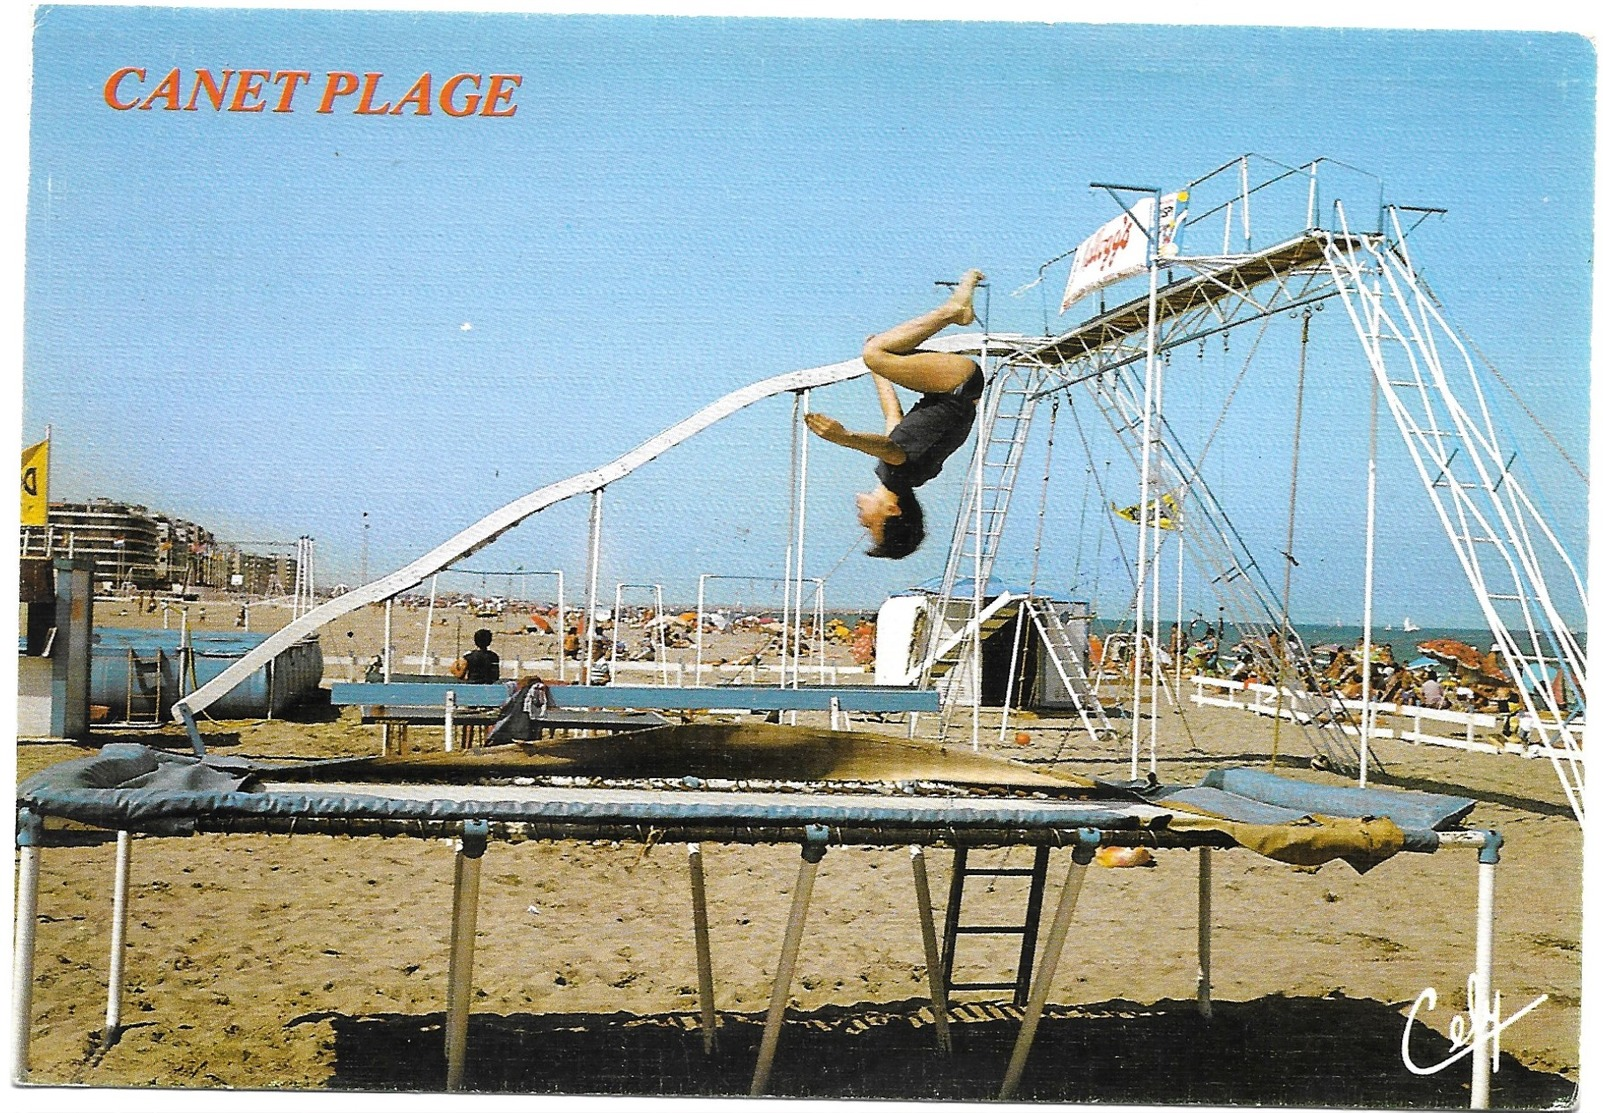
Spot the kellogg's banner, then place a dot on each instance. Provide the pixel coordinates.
(1118, 249)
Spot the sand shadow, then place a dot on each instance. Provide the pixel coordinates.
(1287, 1051)
(1489, 796)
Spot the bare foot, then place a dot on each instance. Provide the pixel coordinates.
(961, 304)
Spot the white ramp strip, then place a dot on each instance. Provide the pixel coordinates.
(493, 525)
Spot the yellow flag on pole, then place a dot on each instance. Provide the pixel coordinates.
(36, 484)
(1168, 512)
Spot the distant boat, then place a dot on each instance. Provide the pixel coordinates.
(1409, 625)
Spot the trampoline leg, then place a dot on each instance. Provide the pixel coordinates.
(812, 853)
(1205, 931)
(464, 922)
(912, 723)
(933, 968)
(1480, 1086)
(28, 831)
(1041, 983)
(119, 935)
(698, 901)
(450, 720)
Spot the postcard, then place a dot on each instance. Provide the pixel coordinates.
(789, 556)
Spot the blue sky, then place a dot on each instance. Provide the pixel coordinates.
(256, 321)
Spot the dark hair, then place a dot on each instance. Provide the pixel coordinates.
(481, 638)
(902, 533)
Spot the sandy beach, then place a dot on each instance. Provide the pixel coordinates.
(311, 962)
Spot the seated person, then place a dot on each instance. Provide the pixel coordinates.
(482, 665)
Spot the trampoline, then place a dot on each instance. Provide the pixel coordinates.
(813, 789)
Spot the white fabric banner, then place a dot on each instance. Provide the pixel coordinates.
(1118, 249)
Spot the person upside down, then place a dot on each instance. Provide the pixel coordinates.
(914, 445)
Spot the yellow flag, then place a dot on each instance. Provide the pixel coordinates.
(1168, 512)
(36, 484)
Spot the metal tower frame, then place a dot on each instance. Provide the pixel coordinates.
(1508, 550)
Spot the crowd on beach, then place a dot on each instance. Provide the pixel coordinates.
(1447, 674)
(643, 634)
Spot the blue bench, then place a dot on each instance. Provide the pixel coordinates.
(620, 697)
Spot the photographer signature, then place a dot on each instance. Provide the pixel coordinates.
(1466, 1030)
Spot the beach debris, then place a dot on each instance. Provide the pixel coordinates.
(1124, 857)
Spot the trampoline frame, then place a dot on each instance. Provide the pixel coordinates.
(813, 830)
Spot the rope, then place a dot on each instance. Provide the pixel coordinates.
(1291, 534)
(1101, 492)
(1046, 478)
(1229, 400)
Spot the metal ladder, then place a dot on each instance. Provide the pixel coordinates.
(1507, 550)
(1004, 426)
(144, 690)
(1027, 932)
(1070, 668)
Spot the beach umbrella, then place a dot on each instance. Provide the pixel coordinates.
(1451, 651)
(1423, 663)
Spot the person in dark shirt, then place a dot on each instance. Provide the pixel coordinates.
(483, 664)
(914, 445)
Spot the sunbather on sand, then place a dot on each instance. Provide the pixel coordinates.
(915, 445)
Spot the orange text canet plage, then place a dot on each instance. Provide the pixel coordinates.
(134, 88)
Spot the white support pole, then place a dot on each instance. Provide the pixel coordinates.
(1013, 665)
(617, 625)
(1313, 193)
(119, 935)
(428, 625)
(591, 573)
(701, 621)
(796, 442)
(834, 712)
(1155, 371)
(1246, 206)
(662, 639)
(934, 972)
(562, 631)
(812, 854)
(1481, 1017)
(1144, 494)
(1179, 601)
(464, 923)
(976, 666)
(818, 631)
(28, 832)
(1366, 714)
(698, 903)
(389, 608)
(1046, 969)
(450, 719)
(801, 547)
(1205, 931)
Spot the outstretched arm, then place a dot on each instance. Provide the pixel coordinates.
(871, 444)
